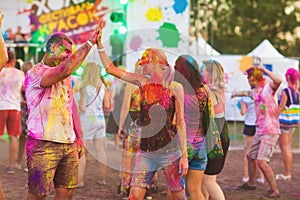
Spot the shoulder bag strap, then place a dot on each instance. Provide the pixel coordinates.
(94, 96)
(291, 97)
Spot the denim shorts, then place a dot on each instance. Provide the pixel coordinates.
(148, 163)
(51, 164)
(198, 159)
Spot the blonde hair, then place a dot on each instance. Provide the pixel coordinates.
(91, 75)
(158, 56)
(217, 74)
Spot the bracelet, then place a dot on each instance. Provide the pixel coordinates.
(89, 43)
(101, 50)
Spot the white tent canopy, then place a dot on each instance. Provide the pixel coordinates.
(265, 50)
(237, 81)
(202, 48)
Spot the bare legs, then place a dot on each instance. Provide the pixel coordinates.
(252, 166)
(61, 194)
(101, 149)
(211, 189)
(266, 170)
(248, 140)
(13, 145)
(268, 173)
(98, 149)
(137, 193)
(81, 170)
(285, 142)
(194, 182)
(21, 150)
(117, 139)
(2, 196)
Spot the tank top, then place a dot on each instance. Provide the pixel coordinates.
(156, 116)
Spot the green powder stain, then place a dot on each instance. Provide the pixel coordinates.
(169, 35)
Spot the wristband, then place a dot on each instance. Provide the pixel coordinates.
(101, 50)
(89, 43)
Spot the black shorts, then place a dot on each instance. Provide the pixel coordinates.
(249, 130)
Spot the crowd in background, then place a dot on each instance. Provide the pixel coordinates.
(186, 102)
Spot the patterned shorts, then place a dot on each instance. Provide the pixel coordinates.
(50, 165)
(262, 146)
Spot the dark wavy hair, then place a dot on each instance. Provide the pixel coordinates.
(187, 73)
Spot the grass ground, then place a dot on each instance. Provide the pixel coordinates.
(236, 135)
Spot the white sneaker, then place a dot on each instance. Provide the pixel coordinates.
(245, 179)
(260, 180)
(281, 177)
(18, 166)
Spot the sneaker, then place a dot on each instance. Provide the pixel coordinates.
(260, 180)
(271, 194)
(18, 166)
(281, 177)
(245, 179)
(9, 170)
(246, 186)
(101, 183)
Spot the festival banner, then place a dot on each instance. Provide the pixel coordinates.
(76, 18)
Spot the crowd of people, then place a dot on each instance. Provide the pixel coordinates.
(27, 45)
(165, 116)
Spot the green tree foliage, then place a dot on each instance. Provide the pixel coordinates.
(240, 25)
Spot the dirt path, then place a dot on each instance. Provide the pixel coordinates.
(14, 185)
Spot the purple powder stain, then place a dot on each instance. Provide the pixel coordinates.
(135, 43)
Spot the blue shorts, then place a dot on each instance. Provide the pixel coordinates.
(148, 163)
(198, 159)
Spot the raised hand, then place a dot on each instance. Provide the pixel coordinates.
(101, 26)
(260, 65)
(95, 34)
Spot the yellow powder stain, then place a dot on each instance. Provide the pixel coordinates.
(245, 63)
(154, 14)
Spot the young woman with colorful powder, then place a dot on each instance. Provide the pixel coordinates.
(197, 104)
(92, 102)
(161, 100)
(213, 75)
(289, 95)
